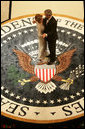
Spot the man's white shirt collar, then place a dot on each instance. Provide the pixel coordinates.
(48, 20)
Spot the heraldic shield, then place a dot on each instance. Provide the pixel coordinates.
(45, 73)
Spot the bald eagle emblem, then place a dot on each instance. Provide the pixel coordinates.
(45, 73)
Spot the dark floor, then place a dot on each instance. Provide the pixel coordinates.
(9, 123)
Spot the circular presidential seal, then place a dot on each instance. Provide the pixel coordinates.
(41, 93)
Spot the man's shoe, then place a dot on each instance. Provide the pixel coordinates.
(50, 63)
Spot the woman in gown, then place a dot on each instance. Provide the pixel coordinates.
(42, 43)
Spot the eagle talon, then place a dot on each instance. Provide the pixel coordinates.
(66, 86)
(70, 81)
(23, 82)
(26, 80)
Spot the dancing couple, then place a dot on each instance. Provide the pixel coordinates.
(47, 34)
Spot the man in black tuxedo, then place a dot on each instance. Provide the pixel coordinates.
(50, 34)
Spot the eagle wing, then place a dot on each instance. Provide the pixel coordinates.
(65, 60)
(24, 61)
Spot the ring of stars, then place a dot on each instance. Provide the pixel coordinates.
(17, 97)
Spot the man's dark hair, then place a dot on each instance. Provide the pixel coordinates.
(48, 12)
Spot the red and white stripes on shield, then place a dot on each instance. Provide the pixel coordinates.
(45, 74)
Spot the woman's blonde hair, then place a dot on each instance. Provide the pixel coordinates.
(38, 18)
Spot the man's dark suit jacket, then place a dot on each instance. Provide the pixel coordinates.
(50, 29)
